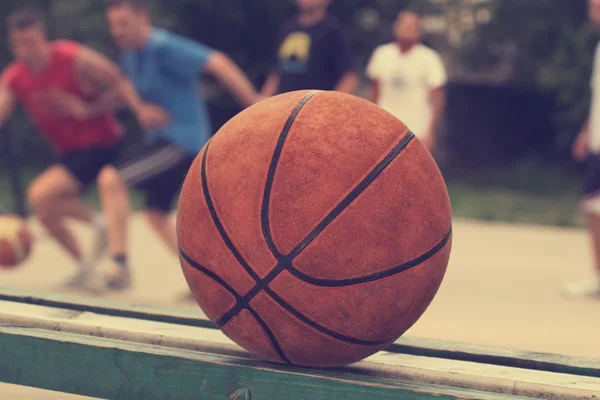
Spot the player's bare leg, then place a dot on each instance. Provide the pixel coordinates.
(44, 194)
(591, 286)
(594, 224)
(114, 197)
(164, 228)
(73, 208)
(52, 195)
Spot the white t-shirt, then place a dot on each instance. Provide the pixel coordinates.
(595, 108)
(406, 81)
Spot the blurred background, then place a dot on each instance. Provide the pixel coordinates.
(519, 75)
(518, 94)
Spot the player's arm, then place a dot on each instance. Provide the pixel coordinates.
(373, 73)
(348, 83)
(271, 85)
(72, 106)
(343, 63)
(117, 90)
(438, 102)
(231, 76)
(188, 59)
(373, 94)
(436, 81)
(581, 144)
(7, 103)
(94, 69)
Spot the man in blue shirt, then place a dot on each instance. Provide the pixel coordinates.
(164, 69)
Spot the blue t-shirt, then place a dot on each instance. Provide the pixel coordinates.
(165, 72)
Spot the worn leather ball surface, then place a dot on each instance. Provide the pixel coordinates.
(314, 229)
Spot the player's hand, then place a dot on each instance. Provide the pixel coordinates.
(65, 104)
(580, 147)
(151, 117)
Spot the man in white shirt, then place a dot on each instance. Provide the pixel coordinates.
(408, 79)
(587, 147)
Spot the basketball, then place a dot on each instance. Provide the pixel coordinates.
(314, 229)
(15, 241)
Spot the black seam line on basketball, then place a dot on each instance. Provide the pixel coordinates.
(262, 283)
(285, 261)
(320, 328)
(210, 274)
(220, 281)
(244, 301)
(374, 277)
(217, 221)
(362, 186)
(270, 335)
(273, 168)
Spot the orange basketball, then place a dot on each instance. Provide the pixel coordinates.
(314, 229)
(15, 241)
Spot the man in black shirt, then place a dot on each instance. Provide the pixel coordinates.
(313, 53)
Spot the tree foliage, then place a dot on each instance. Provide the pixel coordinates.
(553, 41)
(554, 45)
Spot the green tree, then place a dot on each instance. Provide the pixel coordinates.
(555, 47)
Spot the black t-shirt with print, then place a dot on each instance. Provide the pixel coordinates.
(314, 57)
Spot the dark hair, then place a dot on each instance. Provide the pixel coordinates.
(25, 18)
(137, 5)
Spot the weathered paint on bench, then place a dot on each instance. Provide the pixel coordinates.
(405, 345)
(116, 369)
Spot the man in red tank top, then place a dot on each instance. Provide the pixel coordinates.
(47, 78)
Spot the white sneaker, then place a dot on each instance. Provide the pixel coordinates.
(100, 243)
(118, 278)
(81, 280)
(582, 289)
(186, 297)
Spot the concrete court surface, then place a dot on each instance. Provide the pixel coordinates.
(502, 288)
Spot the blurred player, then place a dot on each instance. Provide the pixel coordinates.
(85, 140)
(164, 68)
(408, 79)
(313, 53)
(587, 147)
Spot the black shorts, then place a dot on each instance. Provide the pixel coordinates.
(157, 170)
(85, 165)
(591, 181)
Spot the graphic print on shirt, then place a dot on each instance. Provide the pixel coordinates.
(294, 53)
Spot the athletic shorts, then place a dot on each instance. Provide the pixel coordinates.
(591, 185)
(157, 170)
(85, 165)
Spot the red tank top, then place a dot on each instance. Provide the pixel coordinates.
(65, 134)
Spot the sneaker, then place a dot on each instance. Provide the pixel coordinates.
(118, 278)
(100, 241)
(78, 280)
(583, 289)
(187, 297)
(81, 280)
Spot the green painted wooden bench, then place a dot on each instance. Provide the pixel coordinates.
(107, 349)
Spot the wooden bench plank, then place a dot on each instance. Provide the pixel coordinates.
(425, 370)
(114, 369)
(115, 308)
(497, 356)
(405, 345)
